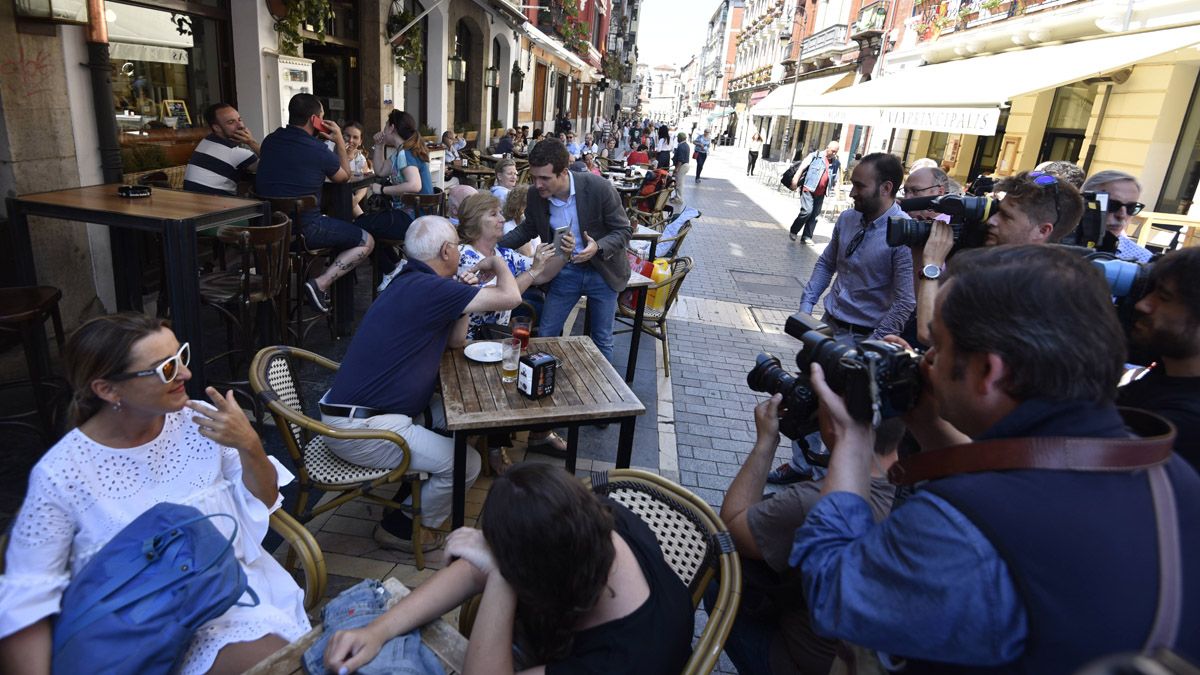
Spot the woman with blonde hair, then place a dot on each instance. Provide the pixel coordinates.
(138, 442)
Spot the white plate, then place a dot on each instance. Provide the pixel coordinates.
(484, 352)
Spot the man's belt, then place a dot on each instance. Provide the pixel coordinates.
(1156, 437)
(358, 412)
(846, 325)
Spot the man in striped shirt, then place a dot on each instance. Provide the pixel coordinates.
(220, 160)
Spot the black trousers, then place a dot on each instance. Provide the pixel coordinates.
(809, 222)
(752, 162)
(700, 157)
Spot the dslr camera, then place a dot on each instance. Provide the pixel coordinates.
(968, 220)
(877, 379)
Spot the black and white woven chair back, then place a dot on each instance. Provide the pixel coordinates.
(280, 381)
(682, 536)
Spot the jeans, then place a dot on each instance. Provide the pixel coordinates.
(358, 606)
(752, 161)
(700, 158)
(431, 452)
(321, 231)
(573, 282)
(809, 223)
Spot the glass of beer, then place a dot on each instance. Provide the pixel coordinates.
(521, 326)
(510, 355)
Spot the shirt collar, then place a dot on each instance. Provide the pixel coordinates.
(563, 202)
(415, 265)
(882, 219)
(213, 137)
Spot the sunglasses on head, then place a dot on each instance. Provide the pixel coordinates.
(167, 370)
(1043, 179)
(1131, 208)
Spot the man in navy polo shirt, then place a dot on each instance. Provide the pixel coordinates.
(390, 371)
(295, 163)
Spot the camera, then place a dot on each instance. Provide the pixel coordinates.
(1091, 232)
(877, 379)
(1128, 282)
(968, 220)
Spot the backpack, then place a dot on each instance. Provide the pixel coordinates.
(788, 175)
(136, 604)
(653, 182)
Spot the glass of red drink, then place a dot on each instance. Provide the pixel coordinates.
(521, 327)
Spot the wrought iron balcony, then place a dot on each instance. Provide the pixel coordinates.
(871, 20)
(823, 42)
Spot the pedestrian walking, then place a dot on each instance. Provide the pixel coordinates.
(662, 147)
(701, 153)
(819, 171)
(681, 160)
(755, 144)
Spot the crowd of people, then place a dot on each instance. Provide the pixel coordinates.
(1039, 526)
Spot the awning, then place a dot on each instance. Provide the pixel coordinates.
(553, 45)
(966, 96)
(777, 102)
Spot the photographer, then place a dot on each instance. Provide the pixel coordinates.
(1037, 208)
(1123, 191)
(1168, 326)
(1024, 568)
(772, 633)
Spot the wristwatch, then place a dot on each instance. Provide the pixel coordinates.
(931, 272)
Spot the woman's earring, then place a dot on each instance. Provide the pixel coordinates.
(117, 406)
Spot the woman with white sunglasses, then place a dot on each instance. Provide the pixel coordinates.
(139, 441)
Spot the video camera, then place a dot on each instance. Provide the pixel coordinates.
(1091, 232)
(877, 379)
(968, 219)
(1128, 282)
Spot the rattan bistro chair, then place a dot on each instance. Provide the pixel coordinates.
(695, 544)
(654, 321)
(272, 376)
(656, 216)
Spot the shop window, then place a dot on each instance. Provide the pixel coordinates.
(1067, 124)
(167, 67)
(987, 150)
(937, 145)
(1183, 175)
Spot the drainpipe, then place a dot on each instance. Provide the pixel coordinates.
(102, 92)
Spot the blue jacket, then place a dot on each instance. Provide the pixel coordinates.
(817, 165)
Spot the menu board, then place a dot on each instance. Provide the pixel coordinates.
(176, 108)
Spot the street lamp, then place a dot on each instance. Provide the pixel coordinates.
(456, 68)
(491, 77)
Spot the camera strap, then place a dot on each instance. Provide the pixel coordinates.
(1156, 437)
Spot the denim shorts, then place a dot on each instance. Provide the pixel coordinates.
(321, 231)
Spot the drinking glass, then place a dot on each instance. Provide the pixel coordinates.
(509, 357)
(521, 327)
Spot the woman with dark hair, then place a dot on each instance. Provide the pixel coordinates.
(138, 442)
(755, 145)
(663, 148)
(408, 169)
(575, 581)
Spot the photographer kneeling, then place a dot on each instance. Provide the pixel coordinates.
(772, 633)
(993, 562)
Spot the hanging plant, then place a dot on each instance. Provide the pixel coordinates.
(407, 51)
(302, 13)
(611, 66)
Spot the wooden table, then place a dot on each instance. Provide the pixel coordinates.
(441, 638)
(338, 201)
(586, 390)
(174, 214)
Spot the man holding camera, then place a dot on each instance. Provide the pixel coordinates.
(1036, 547)
(1168, 326)
(1037, 208)
(772, 633)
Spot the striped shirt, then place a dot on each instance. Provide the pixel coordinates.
(216, 165)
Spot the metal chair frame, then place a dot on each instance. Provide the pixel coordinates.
(654, 322)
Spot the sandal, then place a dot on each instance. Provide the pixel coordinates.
(498, 461)
(550, 441)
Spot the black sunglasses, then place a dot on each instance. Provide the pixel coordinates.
(1043, 179)
(856, 241)
(1131, 208)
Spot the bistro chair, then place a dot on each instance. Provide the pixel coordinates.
(252, 296)
(303, 260)
(669, 247)
(655, 216)
(273, 378)
(694, 542)
(23, 312)
(654, 321)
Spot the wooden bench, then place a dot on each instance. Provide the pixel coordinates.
(446, 642)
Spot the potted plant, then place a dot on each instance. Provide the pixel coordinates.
(302, 14)
(407, 50)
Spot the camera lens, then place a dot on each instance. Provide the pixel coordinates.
(907, 232)
(768, 376)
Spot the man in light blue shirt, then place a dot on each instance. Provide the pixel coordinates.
(574, 147)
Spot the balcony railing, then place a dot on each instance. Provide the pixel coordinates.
(823, 41)
(871, 20)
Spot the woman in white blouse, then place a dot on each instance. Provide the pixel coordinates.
(140, 441)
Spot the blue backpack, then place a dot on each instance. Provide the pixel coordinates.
(135, 606)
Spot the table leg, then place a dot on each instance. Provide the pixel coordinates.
(343, 288)
(22, 246)
(179, 238)
(460, 480)
(635, 339)
(572, 447)
(127, 269)
(625, 443)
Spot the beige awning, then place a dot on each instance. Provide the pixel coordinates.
(777, 102)
(967, 96)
